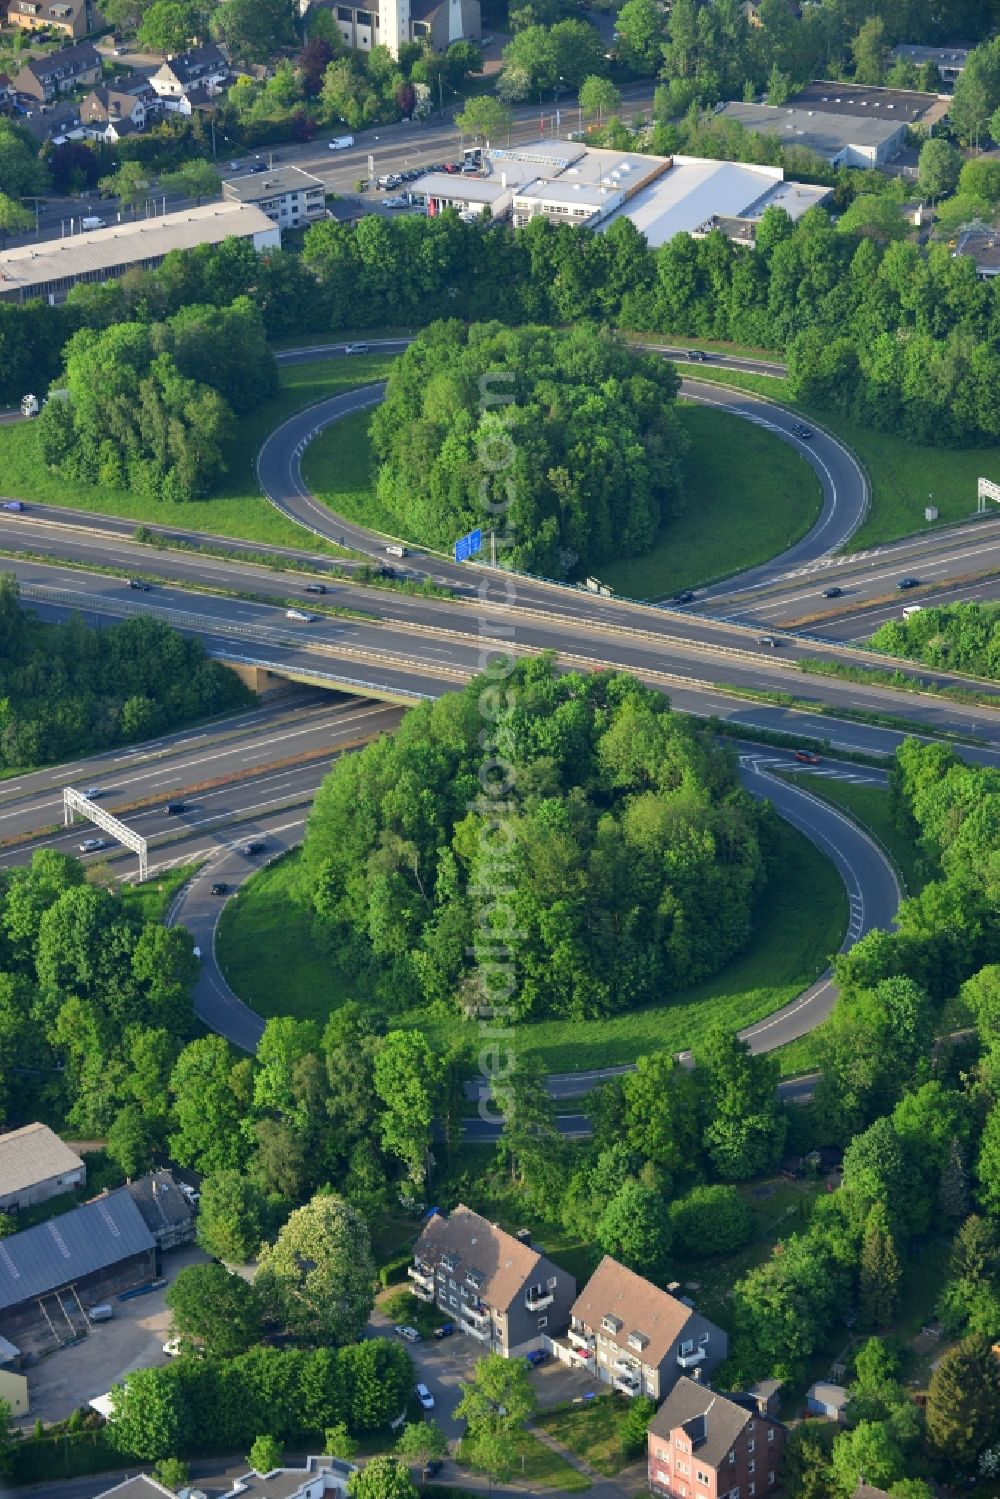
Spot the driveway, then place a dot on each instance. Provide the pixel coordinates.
(441, 1365)
(69, 1377)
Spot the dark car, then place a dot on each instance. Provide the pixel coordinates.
(535, 1357)
(685, 597)
(172, 808)
(315, 588)
(770, 640)
(432, 1466)
(385, 571)
(139, 583)
(905, 583)
(445, 1330)
(220, 888)
(802, 431)
(698, 355)
(807, 757)
(259, 167)
(832, 593)
(251, 847)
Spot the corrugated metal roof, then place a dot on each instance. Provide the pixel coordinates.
(89, 1238)
(31, 1155)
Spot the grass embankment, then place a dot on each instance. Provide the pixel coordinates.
(748, 496)
(237, 508)
(270, 955)
(869, 806)
(904, 476)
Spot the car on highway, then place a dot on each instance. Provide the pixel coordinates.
(341, 143)
(444, 1331)
(833, 593)
(698, 355)
(93, 792)
(686, 596)
(172, 809)
(806, 757)
(355, 348)
(403, 1330)
(140, 584)
(301, 615)
(220, 888)
(251, 847)
(769, 640)
(395, 550)
(92, 845)
(905, 583)
(802, 431)
(315, 588)
(424, 1395)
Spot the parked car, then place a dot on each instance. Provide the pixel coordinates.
(806, 757)
(452, 167)
(355, 348)
(432, 1466)
(399, 201)
(140, 584)
(92, 845)
(251, 847)
(220, 888)
(535, 1357)
(833, 593)
(905, 583)
(409, 1333)
(424, 1395)
(258, 166)
(444, 1331)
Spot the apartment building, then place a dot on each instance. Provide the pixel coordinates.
(287, 195)
(703, 1445)
(498, 1289)
(43, 78)
(73, 18)
(635, 1337)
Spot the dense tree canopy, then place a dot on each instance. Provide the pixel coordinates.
(564, 442)
(634, 858)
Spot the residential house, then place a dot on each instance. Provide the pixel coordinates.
(166, 1210)
(983, 244)
(53, 122)
(199, 96)
(703, 1445)
(866, 1491)
(110, 112)
(7, 92)
(34, 1166)
(949, 61)
(320, 1476)
(203, 67)
(73, 18)
(767, 1393)
(365, 24)
(637, 1338)
(499, 1290)
(43, 78)
(826, 1399)
(287, 195)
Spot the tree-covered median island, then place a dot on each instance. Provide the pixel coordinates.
(568, 438)
(67, 690)
(629, 862)
(959, 637)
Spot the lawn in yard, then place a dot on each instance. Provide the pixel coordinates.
(748, 496)
(270, 954)
(592, 1430)
(904, 476)
(237, 508)
(533, 1464)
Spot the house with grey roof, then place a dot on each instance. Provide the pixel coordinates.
(42, 78)
(201, 68)
(712, 1445)
(166, 1210)
(640, 1340)
(34, 1166)
(499, 1290)
(321, 1476)
(51, 1274)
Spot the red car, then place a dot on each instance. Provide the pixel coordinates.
(452, 166)
(807, 757)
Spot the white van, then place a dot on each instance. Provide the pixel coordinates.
(912, 609)
(92, 222)
(341, 143)
(396, 551)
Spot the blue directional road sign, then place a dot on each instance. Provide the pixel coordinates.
(468, 546)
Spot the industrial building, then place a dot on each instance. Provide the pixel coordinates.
(289, 196)
(569, 182)
(843, 140)
(868, 103)
(48, 269)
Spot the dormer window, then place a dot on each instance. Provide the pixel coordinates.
(613, 1325)
(450, 1261)
(638, 1341)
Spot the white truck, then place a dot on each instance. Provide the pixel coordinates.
(29, 406)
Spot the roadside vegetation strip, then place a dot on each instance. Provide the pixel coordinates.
(780, 740)
(272, 957)
(236, 508)
(927, 598)
(896, 679)
(848, 714)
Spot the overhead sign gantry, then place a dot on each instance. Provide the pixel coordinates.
(75, 804)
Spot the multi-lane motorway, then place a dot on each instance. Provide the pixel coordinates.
(259, 773)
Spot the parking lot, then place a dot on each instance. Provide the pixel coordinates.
(133, 1339)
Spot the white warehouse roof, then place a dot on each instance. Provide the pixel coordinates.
(694, 192)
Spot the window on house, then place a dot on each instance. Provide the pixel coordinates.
(751, 1445)
(661, 1453)
(543, 1322)
(681, 1446)
(686, 1347)
(751, 1489)
(704, 1339)
(751, 1466)
(732, 1455)
(701, 1476)
(552, 1282)
(770, 1476)
(770, 1433)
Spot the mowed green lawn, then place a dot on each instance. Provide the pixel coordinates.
(748, 496)
(271, 956)
(237, 509)
(904, 476)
